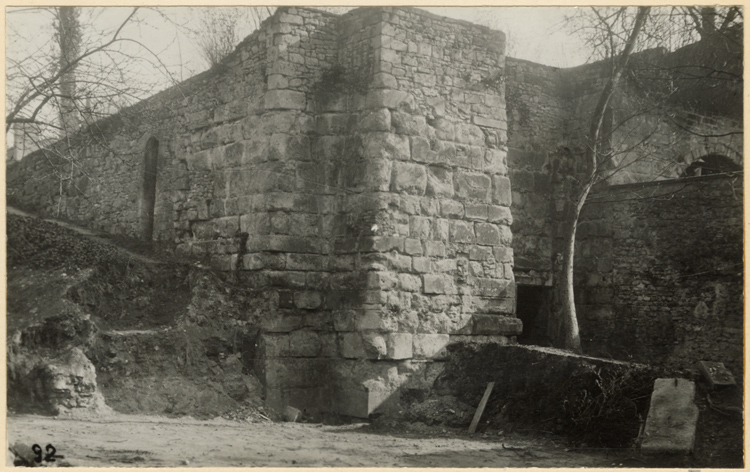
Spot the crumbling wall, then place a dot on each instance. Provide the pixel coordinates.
(659, 275)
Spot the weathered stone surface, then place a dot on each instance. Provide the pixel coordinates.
(378, 120)
(462, 232)
(439, 182)
(431, 346)
(393, 99)
(672, 418)
(501, 191)
(487, 122)
(716, 374)
(409, 178)
(473, 186)
(399, 346)
(496, 325)
(285, 99)
(307, 300)
(439, 284)
(304, 344)
(386, 146)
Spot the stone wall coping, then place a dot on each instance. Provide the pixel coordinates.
(667, 182)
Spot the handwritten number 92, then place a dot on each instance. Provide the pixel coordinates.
(49, 457)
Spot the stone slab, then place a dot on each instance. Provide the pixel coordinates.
(672, 418)
(716, 374)
(360, 403)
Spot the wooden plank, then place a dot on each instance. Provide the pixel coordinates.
(480, 408)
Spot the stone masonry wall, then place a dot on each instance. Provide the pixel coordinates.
(196, 124)
(660, 272)
(357, 169)
(539, 126)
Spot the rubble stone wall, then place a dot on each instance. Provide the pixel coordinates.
(660, 271)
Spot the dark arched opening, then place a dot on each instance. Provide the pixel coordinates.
(148, 196)
(712, 164)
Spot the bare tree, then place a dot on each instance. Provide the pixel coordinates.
(92, 71)
(221, 29)
(614, 34)
(569, 320)
(68, 36)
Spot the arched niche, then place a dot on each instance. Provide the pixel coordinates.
(711, 164)
(148, 188)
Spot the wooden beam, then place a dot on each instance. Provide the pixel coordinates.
(480, 408)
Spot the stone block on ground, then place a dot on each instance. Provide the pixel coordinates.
(716, 374)
(361, 403)
(672, 418)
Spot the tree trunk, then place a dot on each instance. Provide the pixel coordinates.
(568, 334)
(69, 40)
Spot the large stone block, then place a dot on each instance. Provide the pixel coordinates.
(285, 99)
(275, 345)
(406, 123)
(361, 402)
(488, 122)
(473, 186)
(409, 178)
(393, 99)
(399, 345)
(362, 346)
(333, 123)
(469, 134)
(376, 120)
(495, 162)
(420, 227)
(409, 283)
(439, 182)
(431, 346)
(501, 191)
(487, 234)
(496, 325)
(386, 146)
(499, 214)
(672, 418)
(384, 80)
(462, 232)
(439, 284)
(421, 151)
(451, 209)
(497, 288)
(308, 300)
(304, 344)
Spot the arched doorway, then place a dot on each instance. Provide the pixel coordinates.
(712, 164)
(148, 195)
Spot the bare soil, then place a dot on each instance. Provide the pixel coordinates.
(149, 441)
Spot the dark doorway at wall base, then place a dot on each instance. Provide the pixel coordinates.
(533, 305)
(149, 188)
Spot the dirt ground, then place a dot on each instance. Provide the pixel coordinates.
(147, 441)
